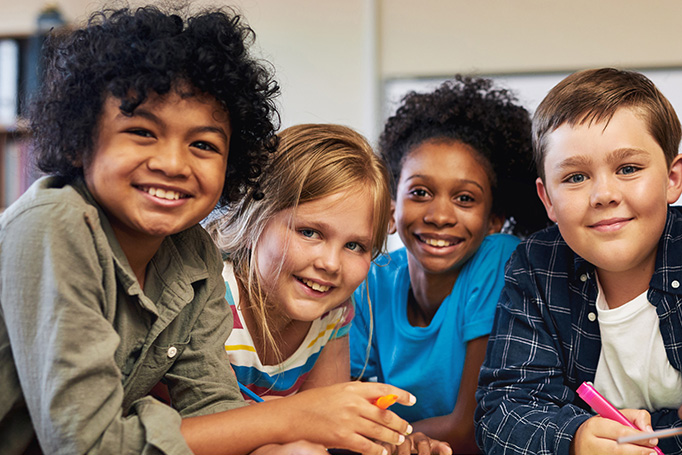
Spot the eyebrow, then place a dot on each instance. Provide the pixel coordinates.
(425, 177)
(149, 115)
(613, 157)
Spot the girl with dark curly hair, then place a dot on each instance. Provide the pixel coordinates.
(462, 169)
(108, 284)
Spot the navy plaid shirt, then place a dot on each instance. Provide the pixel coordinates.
(545, 342)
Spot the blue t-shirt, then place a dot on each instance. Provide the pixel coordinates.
(426, 361)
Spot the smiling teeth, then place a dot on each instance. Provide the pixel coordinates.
(164, 194)
(434, 242)
(315, 286)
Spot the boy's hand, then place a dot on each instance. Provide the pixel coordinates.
(599, 435)
(420, 444)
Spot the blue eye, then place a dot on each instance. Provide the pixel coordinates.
(352, 246)
(576, 178)
(355, 246)
(628, 169)
(307, 233)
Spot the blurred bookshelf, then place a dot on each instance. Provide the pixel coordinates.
(20, 69)
(15, 64)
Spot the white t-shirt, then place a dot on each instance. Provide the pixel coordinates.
(633, 370)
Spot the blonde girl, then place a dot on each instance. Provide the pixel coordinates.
(318, 220)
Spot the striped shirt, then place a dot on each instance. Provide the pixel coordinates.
(286, 377)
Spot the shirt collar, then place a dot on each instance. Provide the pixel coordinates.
(178, 264)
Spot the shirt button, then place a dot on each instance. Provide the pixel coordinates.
(172, 351)
(675, 284)
(591, 316)
(583, 277)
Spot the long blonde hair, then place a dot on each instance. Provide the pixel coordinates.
(312, 161)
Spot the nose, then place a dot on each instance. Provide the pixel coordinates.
(440, 212)
(605, 192)
(170, 158)
(328, 259)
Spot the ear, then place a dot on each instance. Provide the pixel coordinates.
(675, 180)
(544, 197)
(391, 222)
(495, 223)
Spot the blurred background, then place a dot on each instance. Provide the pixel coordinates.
(341, 60)
(350, 61)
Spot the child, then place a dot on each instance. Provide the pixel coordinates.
(321, 221)
(296, 253)
(107, 282)
(596, 297)
(458, 158)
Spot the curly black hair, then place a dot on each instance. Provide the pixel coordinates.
(474, 112)
(129, 53)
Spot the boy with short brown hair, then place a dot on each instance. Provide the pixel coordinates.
(596, 297)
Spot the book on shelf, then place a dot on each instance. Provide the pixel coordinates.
(18, 174)
(9, 82)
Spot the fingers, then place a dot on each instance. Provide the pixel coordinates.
(639, 417)
(599, 435)
(386, 427)
(375, 390)
(441, 448)
(423, 445)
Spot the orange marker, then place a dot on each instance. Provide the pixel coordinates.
(385, 401)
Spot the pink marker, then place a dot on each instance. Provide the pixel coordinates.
(604, 408)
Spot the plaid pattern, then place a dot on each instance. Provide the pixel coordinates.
(545, 342)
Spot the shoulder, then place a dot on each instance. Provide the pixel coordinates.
(50, 205)
(544, 246)
(502, 243)
(493, 253)
(545, 261)
(196, 251)
(675, 221)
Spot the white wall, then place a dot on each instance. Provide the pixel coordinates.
(439, 37)
(332, 56)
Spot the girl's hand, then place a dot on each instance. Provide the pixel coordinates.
(292, 448)
(420, 444)
(599, 435)
(343, 416)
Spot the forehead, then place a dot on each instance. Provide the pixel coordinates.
(174, 103)
(625, 134)
(446, 161)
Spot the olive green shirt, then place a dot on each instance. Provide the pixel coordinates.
(81, 344)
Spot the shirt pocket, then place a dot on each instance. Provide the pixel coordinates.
(163, 354)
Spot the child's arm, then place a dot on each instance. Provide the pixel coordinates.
(340, 416)
(332, 365)
(457, 428)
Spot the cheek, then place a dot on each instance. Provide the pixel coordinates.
(358, 272)
(214, 180)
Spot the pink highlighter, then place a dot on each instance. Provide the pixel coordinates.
(589, 394)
